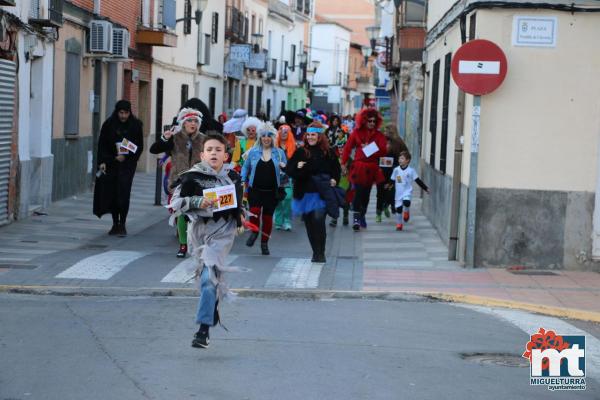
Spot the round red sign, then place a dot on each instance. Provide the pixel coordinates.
(479, 67)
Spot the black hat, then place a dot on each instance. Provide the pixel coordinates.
(123, 105)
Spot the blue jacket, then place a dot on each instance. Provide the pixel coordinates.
(249, 168)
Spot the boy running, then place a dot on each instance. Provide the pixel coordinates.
(403, 177)
(214, 221)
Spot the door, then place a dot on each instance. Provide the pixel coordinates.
(7, 104)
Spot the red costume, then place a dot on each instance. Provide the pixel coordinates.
(364, 170)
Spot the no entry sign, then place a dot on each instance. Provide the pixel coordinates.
(479, 67)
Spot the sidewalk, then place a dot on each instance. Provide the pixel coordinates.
(415, 261)
(70, 224)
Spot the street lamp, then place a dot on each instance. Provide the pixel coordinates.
(315, 64)
(373, 33)
(366, 52)
(202, 4)
(256, 41)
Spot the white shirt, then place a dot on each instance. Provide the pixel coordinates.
(403, 180)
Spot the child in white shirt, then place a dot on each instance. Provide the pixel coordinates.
(403, 177)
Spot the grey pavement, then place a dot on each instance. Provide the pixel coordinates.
(58, 348)
(70, 224)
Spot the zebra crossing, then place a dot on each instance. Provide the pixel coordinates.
(287, 273)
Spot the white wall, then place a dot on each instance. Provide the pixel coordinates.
(330, 44)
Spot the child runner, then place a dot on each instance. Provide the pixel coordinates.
(210, 233)
(404, 176)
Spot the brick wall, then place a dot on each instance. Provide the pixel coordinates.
(85, 4)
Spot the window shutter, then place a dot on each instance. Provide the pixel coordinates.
(187, 15)
(169, 13)
(215, 27)
(73, 69)
(207, 40)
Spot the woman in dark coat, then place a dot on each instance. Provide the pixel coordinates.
(312, 160)
(120, 145)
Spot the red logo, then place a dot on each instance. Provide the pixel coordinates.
(544, 340)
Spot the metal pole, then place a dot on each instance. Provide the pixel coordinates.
(472, 197)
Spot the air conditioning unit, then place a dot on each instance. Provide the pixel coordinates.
(47, 13)
(120, 44)
(101, 37)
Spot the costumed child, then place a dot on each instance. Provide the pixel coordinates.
(213, 223)
(403, 177)
(283, 213)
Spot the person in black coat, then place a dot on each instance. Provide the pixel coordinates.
(314, 160)
(120, 146)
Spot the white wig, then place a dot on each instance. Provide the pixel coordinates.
(267, 129)
(251, 121)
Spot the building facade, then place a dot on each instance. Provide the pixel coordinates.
(537, 172)
(28, 33)
(330, 44)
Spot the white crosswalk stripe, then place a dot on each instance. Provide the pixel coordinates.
(184, 271)
(101, 266)
(295, 273)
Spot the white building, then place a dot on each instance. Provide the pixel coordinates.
(33, 51)
(287, 27)
(330, 44)
(194, 68)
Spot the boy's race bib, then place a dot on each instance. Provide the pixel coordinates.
(224, 197)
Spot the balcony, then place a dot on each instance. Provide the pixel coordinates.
(236, 26)
(281, 10)
(48, 13)
(156, 37)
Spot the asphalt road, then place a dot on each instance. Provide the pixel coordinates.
(61, 348)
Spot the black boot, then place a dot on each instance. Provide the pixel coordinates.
(356, 222)
(264, 248)
(252, 239)
(345, 220)
(122, 231)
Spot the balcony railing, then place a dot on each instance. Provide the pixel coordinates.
(236, 26)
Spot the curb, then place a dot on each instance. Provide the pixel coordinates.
(291, 294)
(560, 312)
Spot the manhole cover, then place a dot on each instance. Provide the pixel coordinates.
(501, 359)
(531, 272)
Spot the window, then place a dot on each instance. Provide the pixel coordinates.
(433, 111)
(445, 106)
(212, 99)
(293, 58)
(251, 100)
(268, 108)
(187, 15)
(258, 99)
(207, 41)
(184, 93)
(215, 27)
(472, 26)
(72, 86)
